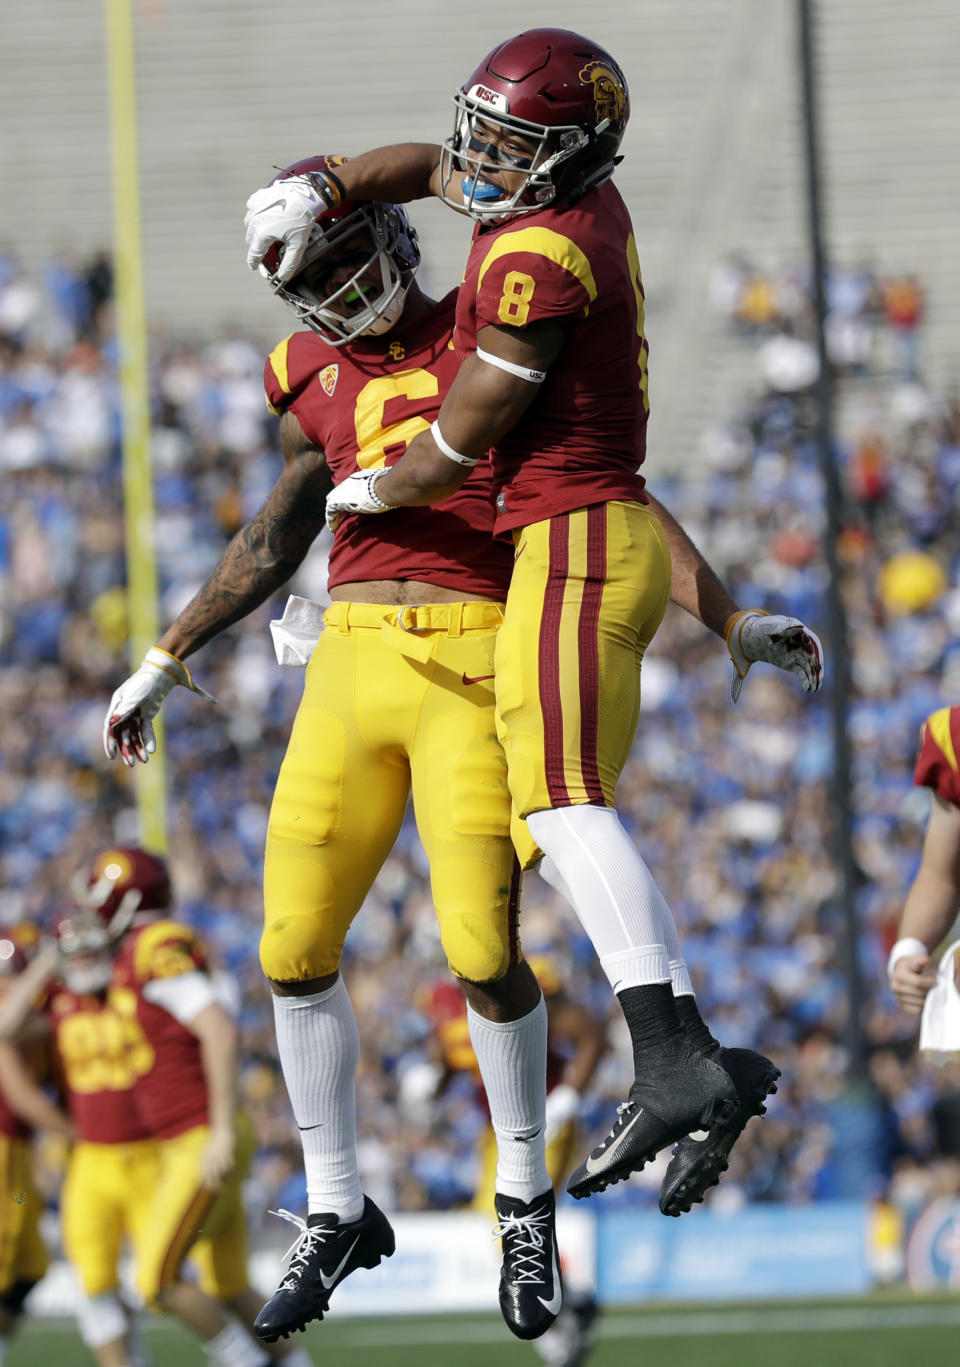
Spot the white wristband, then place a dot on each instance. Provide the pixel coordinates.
(903, 949)
(521, 371)
(447, 449)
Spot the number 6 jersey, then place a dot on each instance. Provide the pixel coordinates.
(362, 405)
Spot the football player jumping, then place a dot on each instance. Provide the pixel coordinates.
(553, 375)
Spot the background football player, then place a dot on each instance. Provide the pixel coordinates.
(148, 1056)
(24, 1106)
(933, 898)
(553, 375)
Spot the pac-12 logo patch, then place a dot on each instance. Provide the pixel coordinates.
(328, 379)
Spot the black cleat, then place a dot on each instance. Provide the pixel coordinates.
(531, 1288)
(697, 1162)
(323, 1254)
(683, 1093)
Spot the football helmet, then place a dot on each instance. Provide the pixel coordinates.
(86, 958)
(375, 243)
(119, 882)
(563, 97)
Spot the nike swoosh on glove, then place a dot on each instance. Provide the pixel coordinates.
(355, 494)
(753, 635)
(128, 725)
(284, 212)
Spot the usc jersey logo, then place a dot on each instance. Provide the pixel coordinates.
(328, 379)
(609, 92)
(398, 352)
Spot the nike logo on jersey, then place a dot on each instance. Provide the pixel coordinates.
(331, 1281)
(475, 678)
(611, 1154)
(552, 1306)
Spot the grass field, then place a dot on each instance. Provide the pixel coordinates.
(884, 1331)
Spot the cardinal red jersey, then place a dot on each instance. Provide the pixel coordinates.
(363, 404)
(584, 435)
(100, 1053)
(938, 763)
(172, 1096)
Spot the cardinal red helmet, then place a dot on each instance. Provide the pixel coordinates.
(559, 92)
(377, 242)
(121, 881)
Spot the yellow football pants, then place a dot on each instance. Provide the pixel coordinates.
(396, 701)
(23, 1257)
(106, 1200)
(186, 1218)
(588, 591)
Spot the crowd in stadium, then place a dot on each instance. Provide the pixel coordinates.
(730, 805)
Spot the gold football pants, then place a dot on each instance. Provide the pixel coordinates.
(588, 591)
(397, 701)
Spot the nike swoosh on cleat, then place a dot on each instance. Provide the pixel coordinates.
(699, 1135)
(595, 1165)
(556, 1300)
(330, 1281)
(475, 678)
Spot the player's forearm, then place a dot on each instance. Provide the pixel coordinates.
(19, 997)
(695, 587)
(930, 909)
(261, 558)
(218, 1050)
(26, 1099)
(395, 174)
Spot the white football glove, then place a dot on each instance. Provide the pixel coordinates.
(355, 494)
(563, 1105)
(782, 641)
(128, 725)
(285, 212)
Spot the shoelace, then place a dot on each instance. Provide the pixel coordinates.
(299, 1251)
(528, 1239)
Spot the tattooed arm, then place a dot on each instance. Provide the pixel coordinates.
(265, 553)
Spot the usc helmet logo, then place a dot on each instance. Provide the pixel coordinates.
(610, 100)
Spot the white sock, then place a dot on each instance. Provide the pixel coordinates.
(612, 891)
(679, 972)
(319, 1047)
(513, 1064)
(233, 1347)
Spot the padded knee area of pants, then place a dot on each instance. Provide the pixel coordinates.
(477, 948)
(294, 949)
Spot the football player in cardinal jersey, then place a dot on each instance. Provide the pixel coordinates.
(398, 698)
(147, 1056)
(23, 1106)
(933, 898)
(553, 376)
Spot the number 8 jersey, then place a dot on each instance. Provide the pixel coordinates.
(362, 405)
(581, 440)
